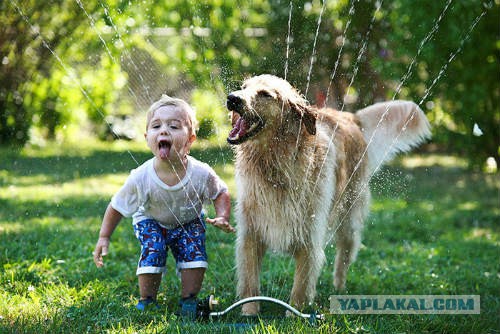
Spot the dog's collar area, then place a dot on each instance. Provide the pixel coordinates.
(243, 129)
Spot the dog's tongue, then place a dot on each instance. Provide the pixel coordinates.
(239, 130)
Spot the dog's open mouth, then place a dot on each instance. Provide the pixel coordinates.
(164, 148)
(243, 128)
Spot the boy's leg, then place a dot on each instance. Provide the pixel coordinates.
(191, 258)
(153, 257)
(191, 281)
(149, 285)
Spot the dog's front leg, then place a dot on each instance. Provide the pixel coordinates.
(249, 253)
(308, 263)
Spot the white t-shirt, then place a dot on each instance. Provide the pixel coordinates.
(145, 196)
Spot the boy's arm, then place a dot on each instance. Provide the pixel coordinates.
(222, 206)
(110, 220)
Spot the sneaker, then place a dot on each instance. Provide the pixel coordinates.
(147, 304)
(188, 308)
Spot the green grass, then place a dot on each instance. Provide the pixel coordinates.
(434, 229)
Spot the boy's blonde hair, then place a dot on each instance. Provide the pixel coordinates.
(166, 100)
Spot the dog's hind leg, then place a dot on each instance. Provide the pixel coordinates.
(249, 253)
(308, 264)
(348, 239)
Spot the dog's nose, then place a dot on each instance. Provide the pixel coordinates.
(234, 103)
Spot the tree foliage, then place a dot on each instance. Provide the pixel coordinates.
(30, 32)
(62, 59)
(456, 75)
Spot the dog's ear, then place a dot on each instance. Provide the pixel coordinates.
(308, 115)
(309, 119)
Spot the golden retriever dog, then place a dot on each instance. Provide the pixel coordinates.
(302, 178)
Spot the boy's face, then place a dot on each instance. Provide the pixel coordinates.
(169, 133)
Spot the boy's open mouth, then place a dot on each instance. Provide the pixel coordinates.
(164, 148)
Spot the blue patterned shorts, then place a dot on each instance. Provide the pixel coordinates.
(186, 242)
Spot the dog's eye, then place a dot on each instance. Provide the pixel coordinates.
(264, 93)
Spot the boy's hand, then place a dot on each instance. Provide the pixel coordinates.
(101, 249)
(222, 223)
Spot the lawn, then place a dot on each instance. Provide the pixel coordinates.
(434, 230)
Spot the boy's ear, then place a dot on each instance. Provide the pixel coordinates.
(191, 139)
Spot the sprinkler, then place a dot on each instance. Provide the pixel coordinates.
(206, 308)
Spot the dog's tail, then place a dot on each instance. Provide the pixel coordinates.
(392, 127)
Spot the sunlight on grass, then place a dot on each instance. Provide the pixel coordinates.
(483, 233)
(468, 206)
(33, 188)
(12, 227)
(43, 304)
(89, 145)
(16, 180)
(388, 205)
(53, 223)
(427, 205)
(82, 148)
(413, 161)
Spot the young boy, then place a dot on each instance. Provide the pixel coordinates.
(164, 196)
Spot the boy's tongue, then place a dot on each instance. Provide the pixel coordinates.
(164, 150)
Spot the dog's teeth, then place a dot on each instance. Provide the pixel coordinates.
(254, 125)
